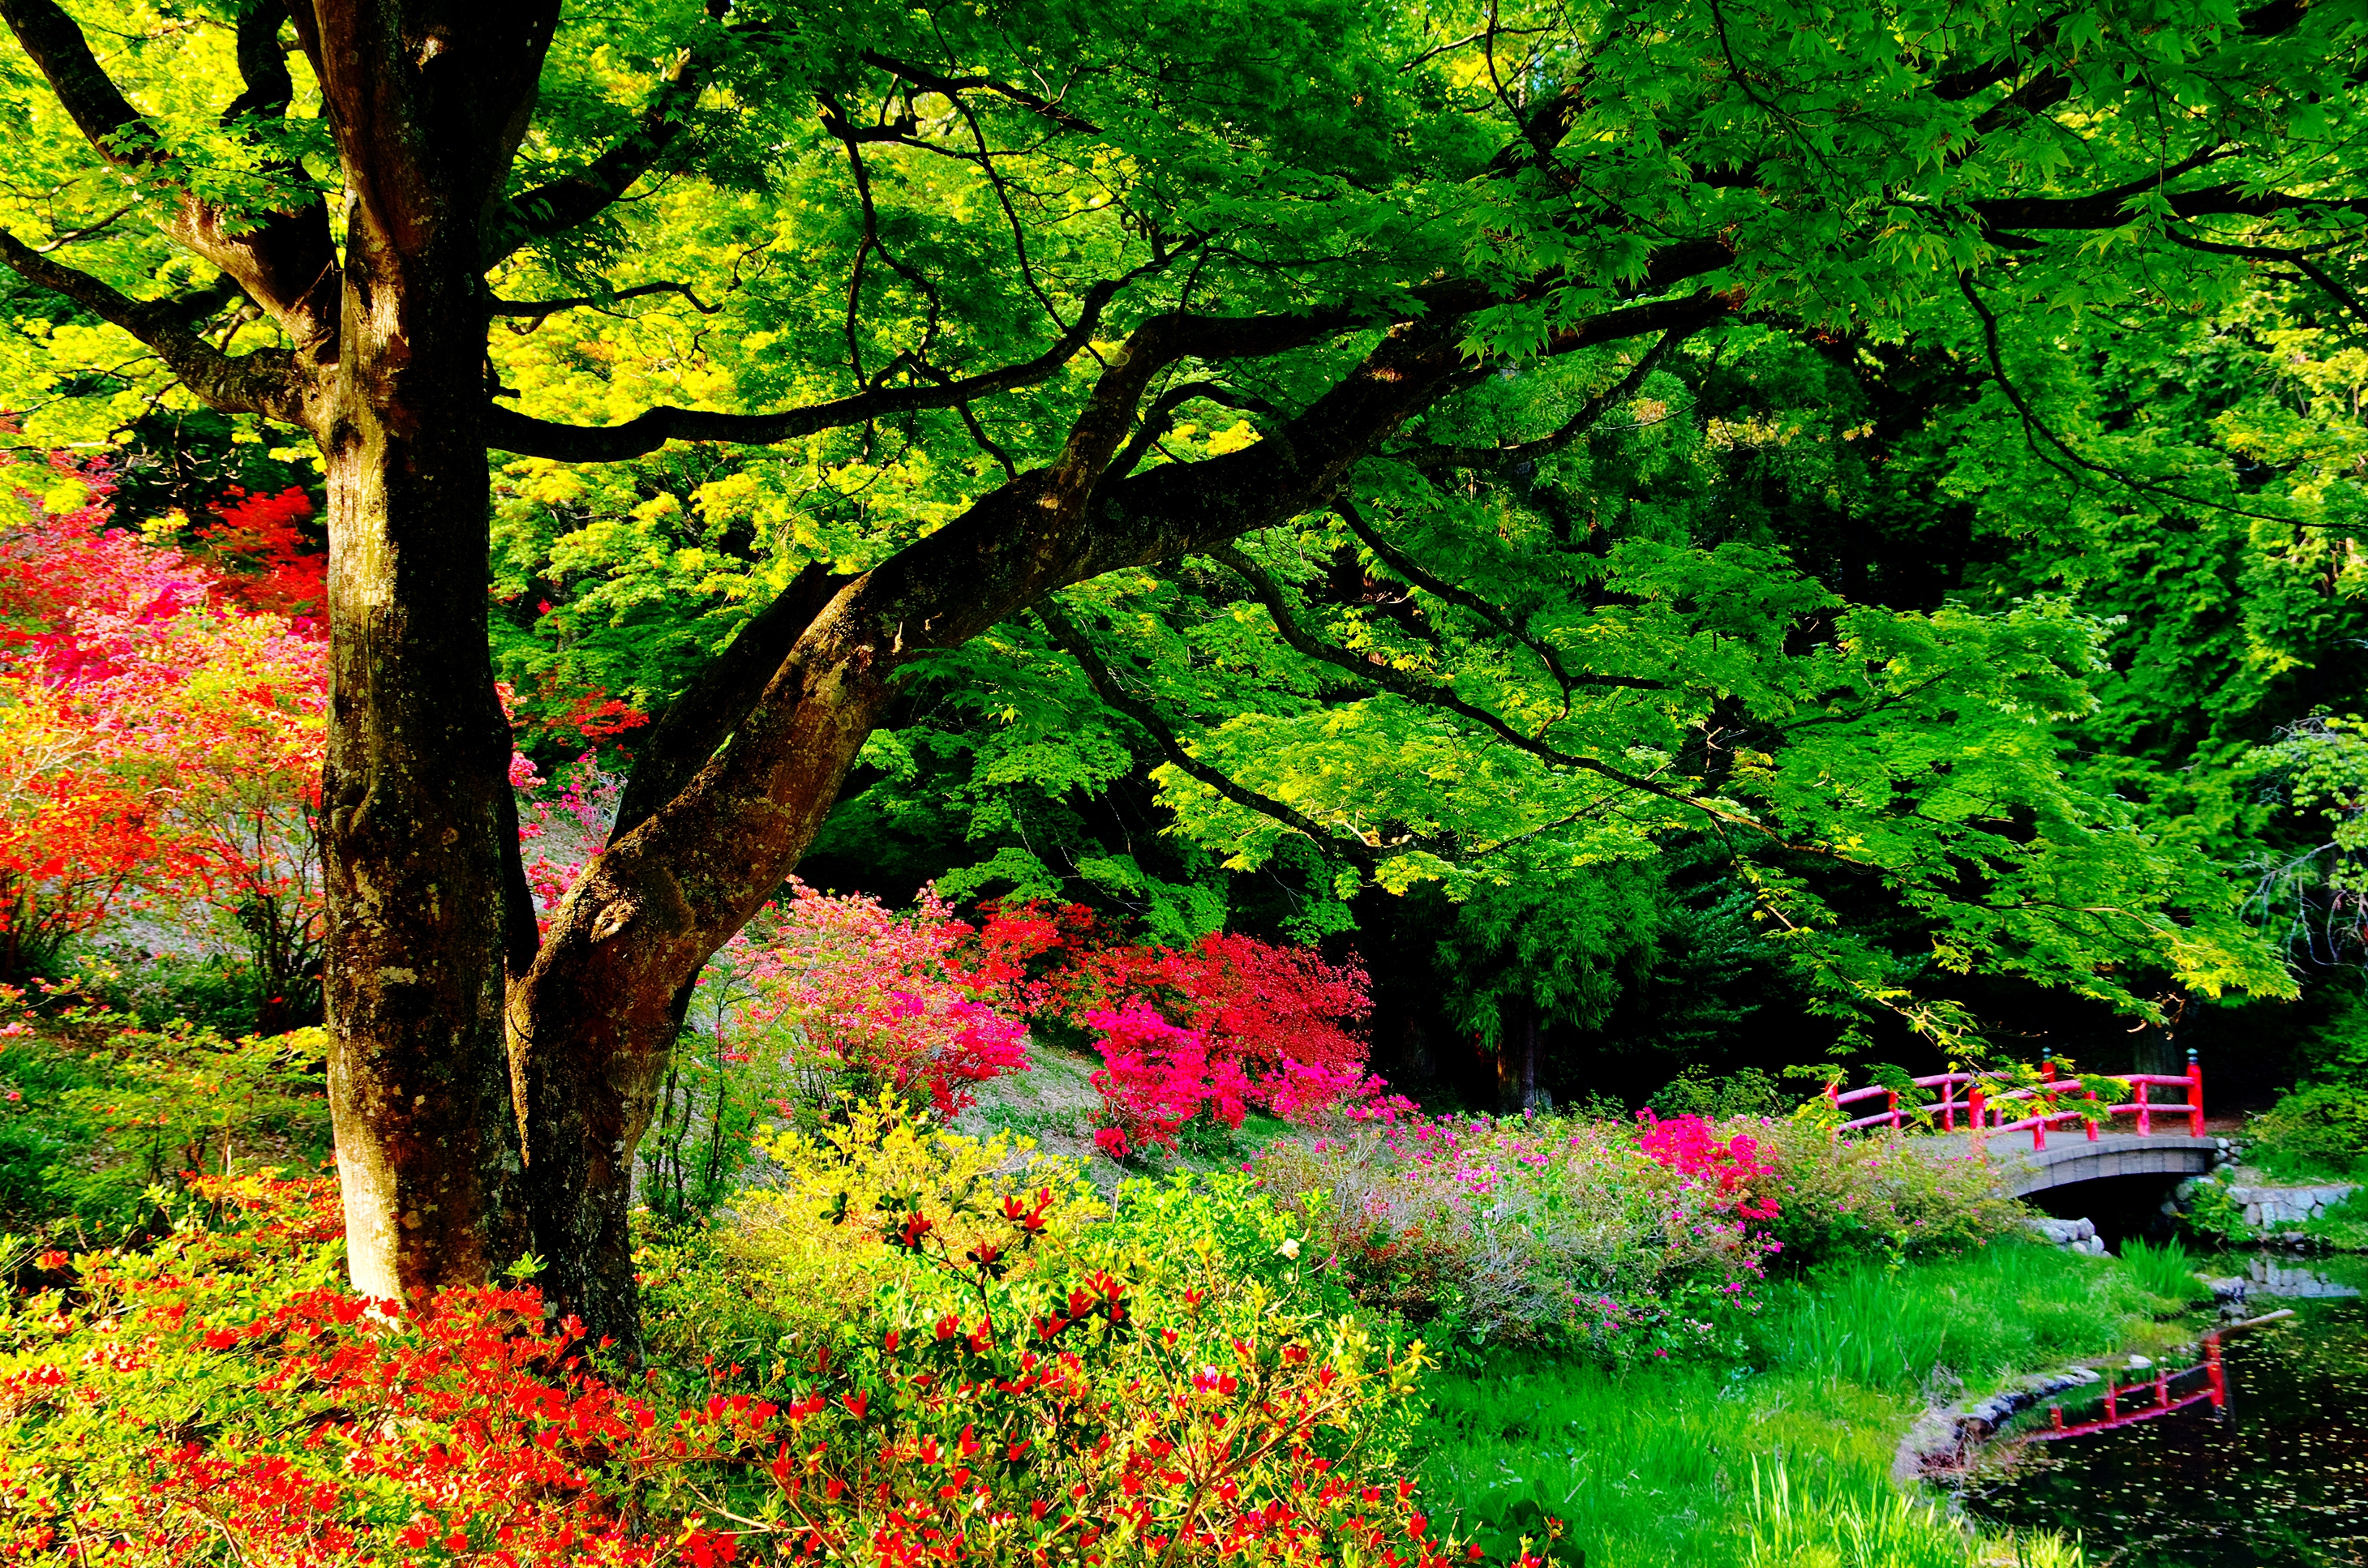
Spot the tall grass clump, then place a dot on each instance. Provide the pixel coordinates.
(2007, 1305)
(1882, 1528)
(2167, 1269)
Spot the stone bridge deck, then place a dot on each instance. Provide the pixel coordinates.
(2071, 1157)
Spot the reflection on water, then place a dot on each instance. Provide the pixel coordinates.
(2279, 1475)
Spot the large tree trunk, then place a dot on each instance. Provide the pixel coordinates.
(414, 792)
(428, 106)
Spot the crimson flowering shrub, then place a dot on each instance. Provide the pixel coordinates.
(1002, 1396)
(1208, 1031)
(160, 736)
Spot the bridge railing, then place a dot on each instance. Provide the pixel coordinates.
(1990, 1104)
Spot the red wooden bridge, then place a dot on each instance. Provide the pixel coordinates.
(1992, 1105)
(2155, 1133)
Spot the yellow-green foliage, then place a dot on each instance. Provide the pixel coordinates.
(811, 1242)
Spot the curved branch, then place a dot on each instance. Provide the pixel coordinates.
(2034, 428)
(1430, 583)
(563, 203)
(1066, 636)
(1157, 420)
(267, 382)
(286, 263)
(1432, 694)
(1206, 336)
(540, 308)
(2300, 260)
(1589, 412)
(950, 86)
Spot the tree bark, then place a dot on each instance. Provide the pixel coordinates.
(419, 826)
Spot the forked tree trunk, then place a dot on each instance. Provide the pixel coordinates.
(594, 1021)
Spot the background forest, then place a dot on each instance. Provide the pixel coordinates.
(1799, 477)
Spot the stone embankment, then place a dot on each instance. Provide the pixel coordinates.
(2273, 1206)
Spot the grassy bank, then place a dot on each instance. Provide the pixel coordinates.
(1786, 1460)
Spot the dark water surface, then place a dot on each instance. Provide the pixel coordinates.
(2279, 1477)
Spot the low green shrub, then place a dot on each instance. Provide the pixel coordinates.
(1877, 1195)
(100, 1117)
(1620, 1238)
(2317, 1130)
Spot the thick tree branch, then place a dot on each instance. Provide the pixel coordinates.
(269, 88)
(267, 382)
(84, 91)
(2110, 209)
(1066, 636)
(695, 724)
(647, 432)
(538, 309)
(573, 200)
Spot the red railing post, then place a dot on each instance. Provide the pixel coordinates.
(1892, 1098)
(1948, 1099)
(2145, 1111)
(2217, 1373)
(2091, 1120)
(1974, 1101)
(2195, 1095)
(2161, 1387)
(2056, 1416)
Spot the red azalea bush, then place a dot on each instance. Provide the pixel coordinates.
(222, 1400)
(160, 737)
(1211, 1030)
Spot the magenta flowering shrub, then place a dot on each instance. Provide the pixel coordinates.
(1689, 1146)
(1157, 1077)
(856, 999)
(1623, 1239)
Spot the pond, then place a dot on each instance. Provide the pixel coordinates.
(2260, 1460)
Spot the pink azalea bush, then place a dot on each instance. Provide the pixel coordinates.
(856, 999)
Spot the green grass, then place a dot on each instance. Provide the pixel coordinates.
(1656, 1465)
(2167, 1270)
